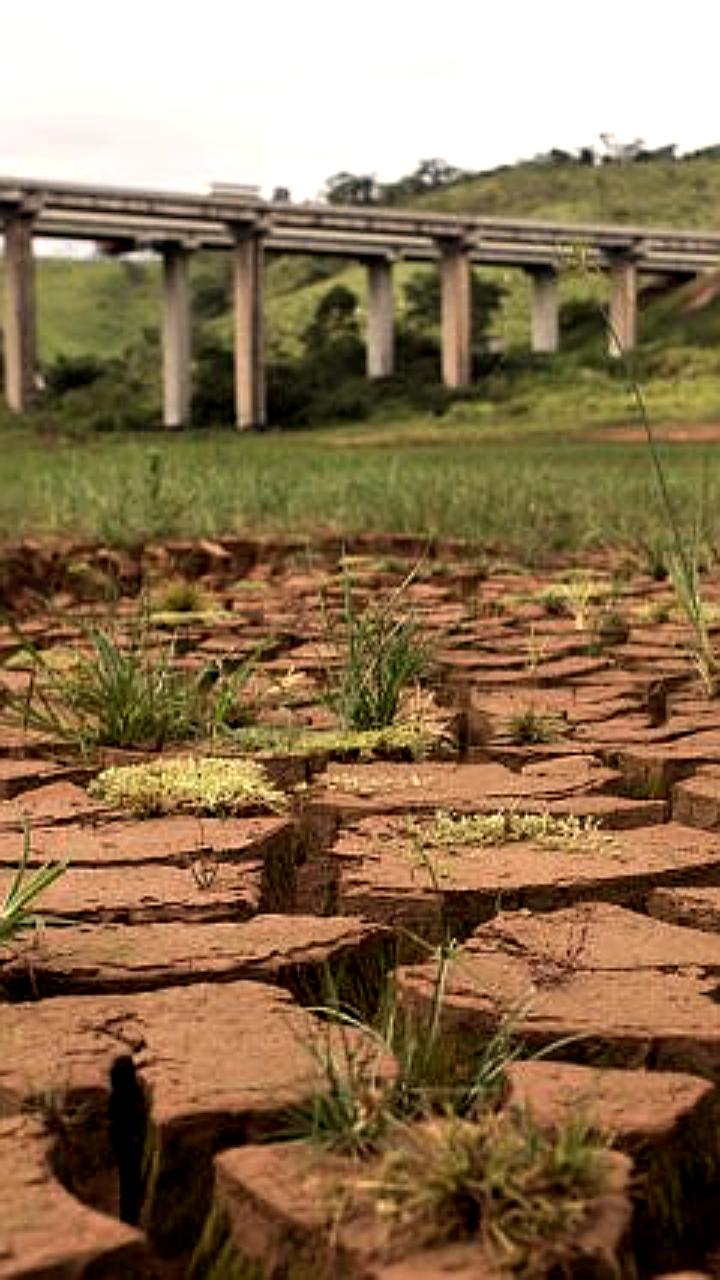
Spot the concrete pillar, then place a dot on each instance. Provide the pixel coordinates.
(249, 338)
(19, 333)
(380, 319)
(176, 337)
(623, 306)
(544, 314)
(455, 317)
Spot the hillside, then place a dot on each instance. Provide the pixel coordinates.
(673, 193)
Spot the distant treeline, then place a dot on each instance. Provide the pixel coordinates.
(434, 173)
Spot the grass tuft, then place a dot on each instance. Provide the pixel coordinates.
(180, 596)
(383, 653)
(128, 694)
(397, 1069)
(499, 1178)
(17, 913)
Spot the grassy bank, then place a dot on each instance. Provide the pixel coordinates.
(525, 493)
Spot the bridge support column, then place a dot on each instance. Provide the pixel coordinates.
(544, 312)
(380, 319)
(249, 331)
(176, 336)
(455, 317)
(623, 306)
(19, 331)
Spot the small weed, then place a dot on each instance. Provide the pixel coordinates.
(536, 652)
(685, 579)
(383, 653)
(207, 785)
(577, 598)
(653, 558)
(17, 912)
(555, 602)
(655, 612)
(204, 870)
(683, 560)
(532, 726)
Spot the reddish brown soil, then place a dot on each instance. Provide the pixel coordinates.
(173, 1011)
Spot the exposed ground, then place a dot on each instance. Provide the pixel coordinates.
(157, 1037)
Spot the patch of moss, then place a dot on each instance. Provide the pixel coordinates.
(506, 826)
(179, 595)
(171, 619)
(206, 785)
(405, 741)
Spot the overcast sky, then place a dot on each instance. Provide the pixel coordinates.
(285, 93)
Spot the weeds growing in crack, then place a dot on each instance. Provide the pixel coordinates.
(434, 1154)
(529, 726)
(396, 1069)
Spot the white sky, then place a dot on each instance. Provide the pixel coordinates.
(285, 93)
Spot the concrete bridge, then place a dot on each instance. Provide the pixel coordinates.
(174, 224)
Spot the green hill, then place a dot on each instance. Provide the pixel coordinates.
(672, 193)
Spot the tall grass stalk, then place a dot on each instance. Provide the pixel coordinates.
(683, 563)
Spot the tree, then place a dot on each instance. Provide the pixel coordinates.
(332, 339)
(351, 188)
(434, 173)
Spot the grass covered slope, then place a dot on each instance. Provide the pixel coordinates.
(672, 193)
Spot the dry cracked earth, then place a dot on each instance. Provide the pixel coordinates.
(178, 1003)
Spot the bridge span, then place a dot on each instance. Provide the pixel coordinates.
(174, 224)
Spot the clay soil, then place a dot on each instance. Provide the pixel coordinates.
(152, 1043)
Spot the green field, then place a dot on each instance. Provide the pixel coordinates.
(531, 495)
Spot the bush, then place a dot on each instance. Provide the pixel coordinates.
(290, 393)
(349, 401)
(68, 373)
